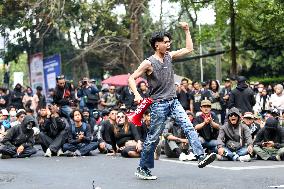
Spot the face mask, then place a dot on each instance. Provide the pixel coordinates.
(86, 117)
(30, 125)
(96, 115)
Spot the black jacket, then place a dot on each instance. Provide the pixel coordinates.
(242, 97)
(53, 126)
(63, 96)
(265, 135)
(121, 137)
(73, 133)
(104, 132)
(16, 98)
(20, 135)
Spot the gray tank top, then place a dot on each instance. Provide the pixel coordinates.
(161, 80)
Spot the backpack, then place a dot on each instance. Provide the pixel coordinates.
(84, 125)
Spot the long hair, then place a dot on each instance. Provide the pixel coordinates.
(217, 87)
(125, 125)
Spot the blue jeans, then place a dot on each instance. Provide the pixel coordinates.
(210, 144)
(11, 150)
(159, 113)
(84, 148)
(235, 155)
(66, 110)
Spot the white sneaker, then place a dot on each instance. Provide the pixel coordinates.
(190, 157)
(60, 152)
(48, 153)
(245, 158)
(182, 157)
(278, 158)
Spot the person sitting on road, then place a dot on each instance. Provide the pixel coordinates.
(176, 143)
(207, 125)
(248, 119)
(79, 137)
(4, 123)
(19, 140)
(269, 141)
(234, 139)
(104, 130)
(53, 133)
(88, 119)
(125, 135)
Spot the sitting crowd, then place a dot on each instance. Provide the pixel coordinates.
(84, 120)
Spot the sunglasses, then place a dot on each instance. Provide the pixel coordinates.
(233, 114)
(206, 106)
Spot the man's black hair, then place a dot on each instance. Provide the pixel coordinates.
(39, 88)
(158, 37)
(184, 79)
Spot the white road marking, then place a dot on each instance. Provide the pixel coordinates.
(227, 168)
(280, 186)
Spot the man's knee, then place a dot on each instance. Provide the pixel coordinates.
(257, 149)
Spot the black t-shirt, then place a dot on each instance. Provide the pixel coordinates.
(105, 130)
(196, 97)
(207, 132)
(122, 137)
(184, 99)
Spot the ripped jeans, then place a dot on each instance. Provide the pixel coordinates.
(159, 112)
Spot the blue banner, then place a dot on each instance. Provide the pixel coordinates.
(51, 69)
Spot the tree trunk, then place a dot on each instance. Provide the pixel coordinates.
(234, 70)
(136, 51)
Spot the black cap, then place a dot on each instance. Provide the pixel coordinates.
(227, 79)
(271, 123)
(241, 79)
(85, 109)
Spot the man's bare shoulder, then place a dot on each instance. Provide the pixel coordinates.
(146, 63)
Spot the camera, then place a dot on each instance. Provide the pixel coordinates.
(84, 82)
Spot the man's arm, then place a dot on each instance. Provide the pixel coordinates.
(144, 67)
(188, 43)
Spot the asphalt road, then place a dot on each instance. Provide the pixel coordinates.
(100, 171)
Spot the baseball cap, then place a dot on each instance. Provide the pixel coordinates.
(205, 103)
(241, 79)
(248, 115)
(5, 112)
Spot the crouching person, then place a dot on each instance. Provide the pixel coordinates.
(176, 143)
(234, 139)
(53, 133)
(79, 137)
(269, 141)
(19, 140)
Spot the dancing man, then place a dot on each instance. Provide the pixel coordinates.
(160, 76)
